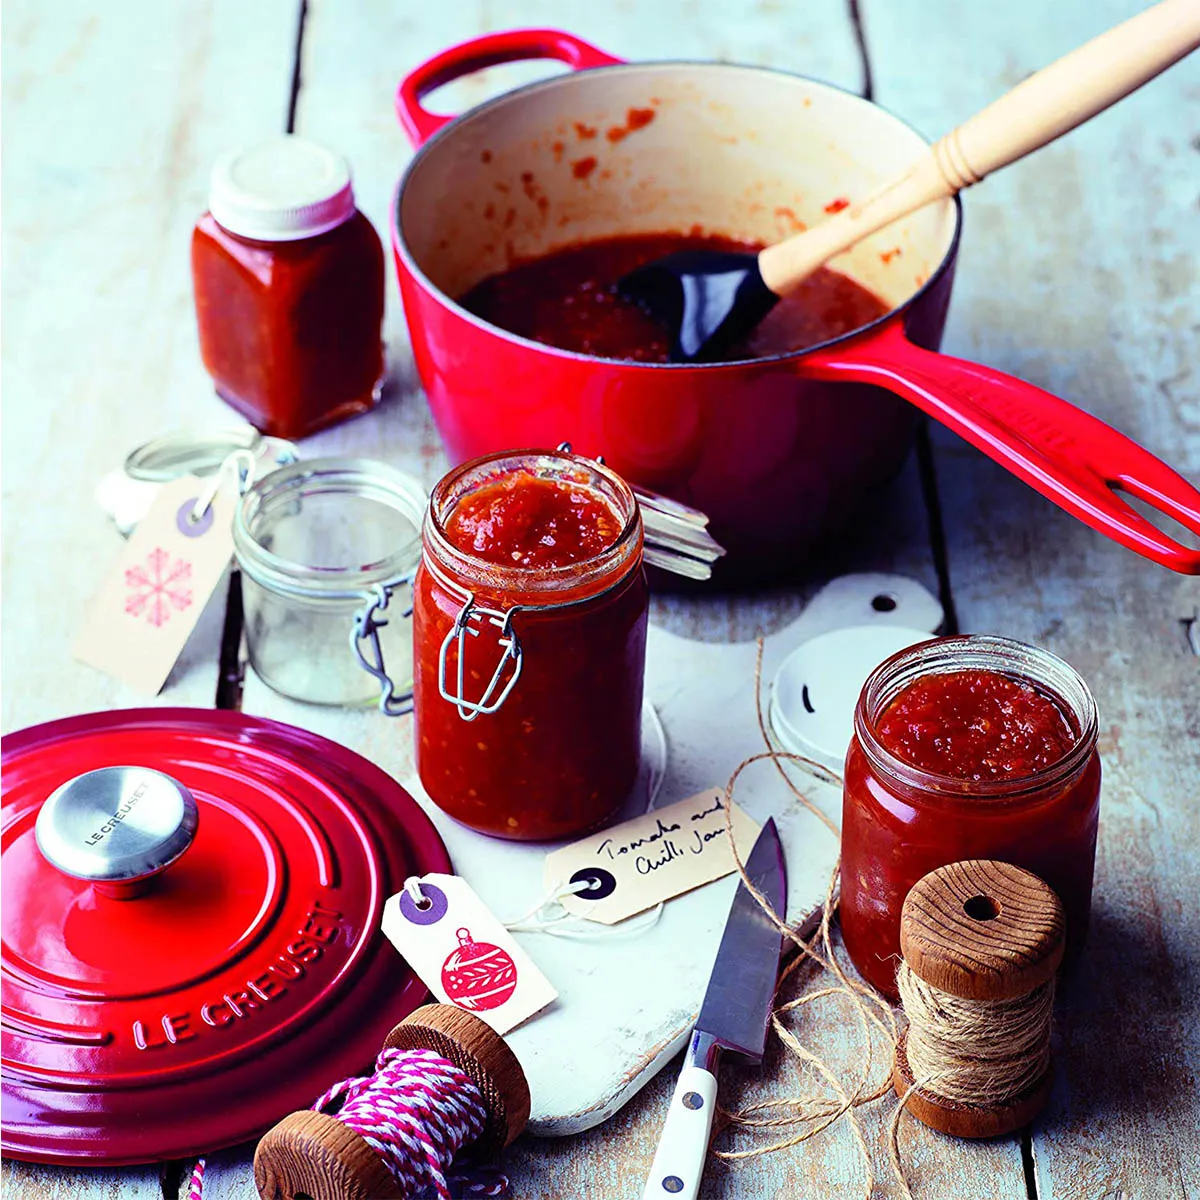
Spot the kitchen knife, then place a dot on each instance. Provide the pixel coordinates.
(733, 1017)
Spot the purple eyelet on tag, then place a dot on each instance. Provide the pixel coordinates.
(193, 528)
(424, 916)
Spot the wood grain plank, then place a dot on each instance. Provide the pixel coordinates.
(1079, 273)
(29, 1181)
(113, 116)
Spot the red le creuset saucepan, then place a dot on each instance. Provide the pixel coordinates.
(780, 452)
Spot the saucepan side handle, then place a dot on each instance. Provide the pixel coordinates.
(1068, 455)
(487, 51)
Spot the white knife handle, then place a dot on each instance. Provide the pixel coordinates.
(683, 1147)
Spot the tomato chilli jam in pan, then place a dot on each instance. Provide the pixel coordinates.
(568, 299)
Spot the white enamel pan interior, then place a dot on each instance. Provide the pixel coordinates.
(741, 151)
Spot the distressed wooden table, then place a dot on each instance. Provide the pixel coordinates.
(1078, 272)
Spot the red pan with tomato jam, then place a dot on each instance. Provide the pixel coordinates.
(780, 450)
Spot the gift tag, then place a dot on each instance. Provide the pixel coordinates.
(668, 851)
(138, 623)
(463, 954)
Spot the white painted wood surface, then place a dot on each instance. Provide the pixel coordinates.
(113, 117)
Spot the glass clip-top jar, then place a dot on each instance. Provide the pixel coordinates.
(326, 547)
(974, 747)
(530, 611)
(289, 280)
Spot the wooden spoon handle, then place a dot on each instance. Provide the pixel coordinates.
(1038, 110)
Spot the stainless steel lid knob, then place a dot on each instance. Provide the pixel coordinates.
(117, 827)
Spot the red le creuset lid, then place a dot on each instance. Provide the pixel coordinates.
(184, 965)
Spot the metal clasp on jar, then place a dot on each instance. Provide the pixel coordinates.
(463, 626)
(365, 629)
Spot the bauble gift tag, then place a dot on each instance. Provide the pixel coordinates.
(463, 954)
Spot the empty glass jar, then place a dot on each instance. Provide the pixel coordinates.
(328, 549)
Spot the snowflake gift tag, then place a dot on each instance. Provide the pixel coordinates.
(158, 587)
(137, 625)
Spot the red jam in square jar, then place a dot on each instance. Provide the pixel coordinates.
(288, 279)
(966, 747)
(529, 626)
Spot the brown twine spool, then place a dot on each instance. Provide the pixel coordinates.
(981, 943)
(975, 1051)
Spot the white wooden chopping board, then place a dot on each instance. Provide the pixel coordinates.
(626, 1003)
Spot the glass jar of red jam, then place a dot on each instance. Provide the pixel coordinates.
(529, 628)
(965, 747)
(288, 277)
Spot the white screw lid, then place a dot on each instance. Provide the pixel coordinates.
(281, 190)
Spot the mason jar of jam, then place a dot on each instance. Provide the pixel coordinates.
(529, 628)
(288, 279)
(963, 748)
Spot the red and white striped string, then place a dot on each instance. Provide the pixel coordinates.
(416, 1111)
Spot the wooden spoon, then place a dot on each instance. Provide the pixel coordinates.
(709, 300)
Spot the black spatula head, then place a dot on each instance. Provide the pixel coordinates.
(707, 300)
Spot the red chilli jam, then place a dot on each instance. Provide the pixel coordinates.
(529, 625)
(968, 747)
(288, 279)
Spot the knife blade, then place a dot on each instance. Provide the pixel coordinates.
(733, 1017)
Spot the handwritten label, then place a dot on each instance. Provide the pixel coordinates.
(667, 852)
(146, 609)
(463, 954)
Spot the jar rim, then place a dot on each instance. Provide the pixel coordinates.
(990, 652)
(573, 577)
(362, 477)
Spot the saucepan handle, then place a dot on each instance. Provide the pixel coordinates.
(487, 51)
(1068, 455)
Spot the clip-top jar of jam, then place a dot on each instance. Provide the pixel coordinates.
(288, 277)
(529, 626)
(963, 748)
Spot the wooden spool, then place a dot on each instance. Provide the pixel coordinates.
(980, 930)
(313, 1156)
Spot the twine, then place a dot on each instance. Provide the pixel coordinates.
(417, 1110)
(979, 1052)
(796, 1119)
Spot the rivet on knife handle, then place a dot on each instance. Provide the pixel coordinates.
(679, 1160)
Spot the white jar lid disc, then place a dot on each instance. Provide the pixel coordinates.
(281, 190)
(818, 685)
